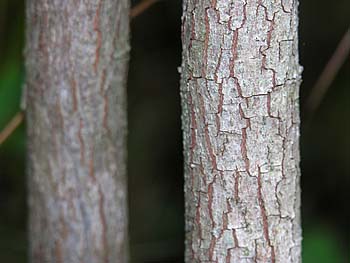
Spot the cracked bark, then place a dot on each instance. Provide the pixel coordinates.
(76, 62)
(239, 87)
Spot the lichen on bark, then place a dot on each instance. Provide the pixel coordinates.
(76, 65)
(240, 80)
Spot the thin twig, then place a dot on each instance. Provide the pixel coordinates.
(18, 118)
(11, 126)
(328, 74)
(141, 7)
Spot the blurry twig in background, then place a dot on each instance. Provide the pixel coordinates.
(141, 7)
(18, 118)
(328, 74)
(11, 126)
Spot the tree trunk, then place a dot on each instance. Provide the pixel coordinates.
(76, 62)
(240, 87)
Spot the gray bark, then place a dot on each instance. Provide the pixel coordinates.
(240, 87)
(76, 63)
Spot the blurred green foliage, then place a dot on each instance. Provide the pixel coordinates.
(321, 245)
(155, 162)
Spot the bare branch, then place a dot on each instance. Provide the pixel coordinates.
(141, 7)
(328, 74)
(11, 126)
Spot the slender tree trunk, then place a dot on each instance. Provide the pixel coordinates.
(76, 61)
(240, 86)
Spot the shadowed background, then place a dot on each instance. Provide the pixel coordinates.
(155, 147)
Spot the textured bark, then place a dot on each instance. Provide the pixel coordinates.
(76, 62)
(240, 88)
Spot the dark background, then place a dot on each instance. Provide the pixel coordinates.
(155, 150)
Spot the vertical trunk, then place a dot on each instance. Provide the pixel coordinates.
(76, 61)
(240, 85)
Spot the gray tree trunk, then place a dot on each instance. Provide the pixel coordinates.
(240, 88)
(76, 62)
